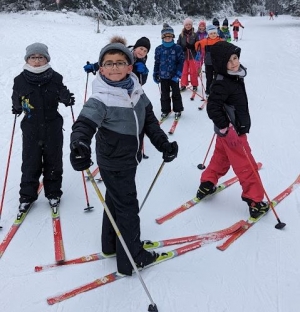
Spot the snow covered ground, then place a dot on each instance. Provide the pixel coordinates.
(259, 272)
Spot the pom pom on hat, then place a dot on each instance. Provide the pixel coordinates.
(167, 29)
(37, 48)
(116, 43)
(188, 21)
(216, 22)
(143, 42)
(202, 23)
(211, 29)
(225, 22)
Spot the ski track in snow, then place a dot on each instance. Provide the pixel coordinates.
(259, 272)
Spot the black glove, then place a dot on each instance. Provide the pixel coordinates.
(80, 156)
(17, 111)
(170, 151)
(71, 100)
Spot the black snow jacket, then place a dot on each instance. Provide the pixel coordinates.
(228, 102)
(39, 102)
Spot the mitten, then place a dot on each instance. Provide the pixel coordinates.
(91, 68)
(80, 156)
(156, 78)
(170, 151)
(232, 138)
(141, 68)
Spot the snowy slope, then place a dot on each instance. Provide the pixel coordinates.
(259, 272)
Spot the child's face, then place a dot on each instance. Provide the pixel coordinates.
(188, 26)
(233, 63)
(140, 52)
(115, 67)
(213, 35)
(37, 60)
(168, 37)
(201, 28)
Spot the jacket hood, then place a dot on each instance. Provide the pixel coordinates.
(220, 55)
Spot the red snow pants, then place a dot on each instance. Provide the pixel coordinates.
(189, 66)
(224, 157)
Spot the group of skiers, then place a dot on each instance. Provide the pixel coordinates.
(119, 114)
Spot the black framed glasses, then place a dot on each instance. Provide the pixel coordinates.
(36, 58)
(110, 65)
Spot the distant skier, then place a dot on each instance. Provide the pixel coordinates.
(236, 27)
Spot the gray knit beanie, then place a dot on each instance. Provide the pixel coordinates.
(116, 46)
(37, 48)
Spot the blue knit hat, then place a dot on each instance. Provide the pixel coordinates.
(211, 28)
(167, 29)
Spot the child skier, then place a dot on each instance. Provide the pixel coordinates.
(216, 23)
(205, 45)
(168, 64)
(36, 92)
(227, 107)
(225, 30)
(187, 40)
(120, 113)
(139, 52)
(236, 27)
(200, 34)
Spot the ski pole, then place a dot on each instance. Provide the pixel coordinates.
(280, 225)
(7, 166)
(86, 84)
(242, 34)
(88, 208)
(202, 166)
(152, 306)
(152, 184)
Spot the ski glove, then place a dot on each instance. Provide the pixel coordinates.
(71, 101)
(156, 78)
(175, 79)
(141, 68)
(80, 156)
(198, 56)
(232, 138)
(170, 151)
(91, 68)
(17, 111)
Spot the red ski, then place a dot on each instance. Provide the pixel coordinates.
(57, 234)
(204, 238)
(251, 221)
(117, 276)
(16, 225)
(195, 200)
(174, 125)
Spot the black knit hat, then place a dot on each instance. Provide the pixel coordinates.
(216, 22)
(221, 52)
(225, 22)
(143, 42)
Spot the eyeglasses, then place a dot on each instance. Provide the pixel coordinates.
(36, 58)
(110, 65)
(169, 36)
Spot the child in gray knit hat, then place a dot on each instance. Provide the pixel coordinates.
(37, 92)
(120, 113)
